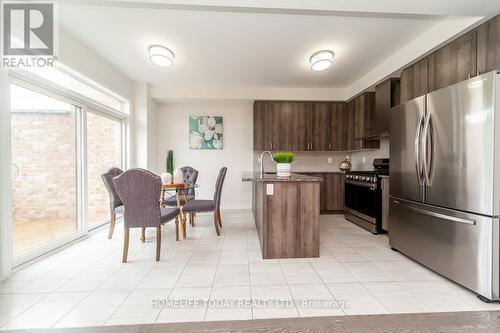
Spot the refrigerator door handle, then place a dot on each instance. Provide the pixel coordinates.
(418, 165)
(428, 155)
(434, 214)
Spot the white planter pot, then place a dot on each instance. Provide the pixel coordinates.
(284, 169)
(178, 176)
(166, 178)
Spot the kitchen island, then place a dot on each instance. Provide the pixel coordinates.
(286, 211)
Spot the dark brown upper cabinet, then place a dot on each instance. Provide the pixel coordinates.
(259, 123)
(364, 115)
(350, 110)
(387, 95)
(453, 62)
(319, 121)
(488, 46)
(266, 116)
(286, 139)
(338, 126)
(414, 80)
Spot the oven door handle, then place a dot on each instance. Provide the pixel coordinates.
(372, 186)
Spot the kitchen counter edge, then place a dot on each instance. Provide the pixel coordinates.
(267, 177)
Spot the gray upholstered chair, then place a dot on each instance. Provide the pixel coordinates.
(115, 204)
(140, 191)
(190, 175)
(206, 206)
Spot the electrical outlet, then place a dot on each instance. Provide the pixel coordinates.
(330, 160)
(270, 189)
(364, 159)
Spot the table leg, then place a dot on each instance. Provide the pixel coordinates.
(162, 198)
(183, 216)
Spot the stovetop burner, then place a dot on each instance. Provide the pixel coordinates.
(381, 168)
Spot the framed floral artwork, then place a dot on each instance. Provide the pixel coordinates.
(205, 132)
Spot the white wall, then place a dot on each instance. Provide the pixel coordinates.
(236, 154)
(145, 129)
(139, 124)
(80, 58)
(153, 158)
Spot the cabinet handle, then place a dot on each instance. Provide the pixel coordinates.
(330, 146)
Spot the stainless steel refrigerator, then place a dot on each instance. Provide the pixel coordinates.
(445, 182)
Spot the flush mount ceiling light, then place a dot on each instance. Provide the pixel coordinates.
(321, 60)
(161, 56)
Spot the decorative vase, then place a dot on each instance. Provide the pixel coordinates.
(166, 178)
(284, 169)
(346, 165)
(178, 176)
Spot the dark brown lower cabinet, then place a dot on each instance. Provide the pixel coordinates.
(331, 191)
(287, 220)
(334, 192)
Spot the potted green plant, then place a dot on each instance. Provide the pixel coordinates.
(284, 163)
(169, 167)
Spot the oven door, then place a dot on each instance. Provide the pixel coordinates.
(361, 199)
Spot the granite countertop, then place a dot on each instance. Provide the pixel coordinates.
(313, 172)
(251, 176)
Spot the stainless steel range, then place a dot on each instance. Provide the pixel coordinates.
(363, 196)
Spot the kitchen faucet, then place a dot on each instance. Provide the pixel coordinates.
(262, 161)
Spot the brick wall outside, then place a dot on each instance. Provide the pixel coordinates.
(44, 148)
(103, 142)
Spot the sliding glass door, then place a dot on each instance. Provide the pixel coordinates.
(61, 144)
(45, 185)
(104, 150)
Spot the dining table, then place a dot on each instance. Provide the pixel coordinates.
(180, 193)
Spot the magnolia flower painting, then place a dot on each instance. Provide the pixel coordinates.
(205, 132)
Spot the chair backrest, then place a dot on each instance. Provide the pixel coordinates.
(139, 191)
(190, 176)
(218, 187)
(107, 179)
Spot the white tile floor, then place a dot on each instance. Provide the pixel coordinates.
(87, 285)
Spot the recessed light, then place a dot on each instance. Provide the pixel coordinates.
(321, 60)
(161, 56)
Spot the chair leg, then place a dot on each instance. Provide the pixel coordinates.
(177, 228)
(191, 219)
(143, 235)
(112, 225)
(125, 244)
(216, 222)
(218, 218)
(158, 243)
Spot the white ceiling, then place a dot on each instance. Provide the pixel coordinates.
(242, 47)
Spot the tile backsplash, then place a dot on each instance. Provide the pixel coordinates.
(319, 161)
